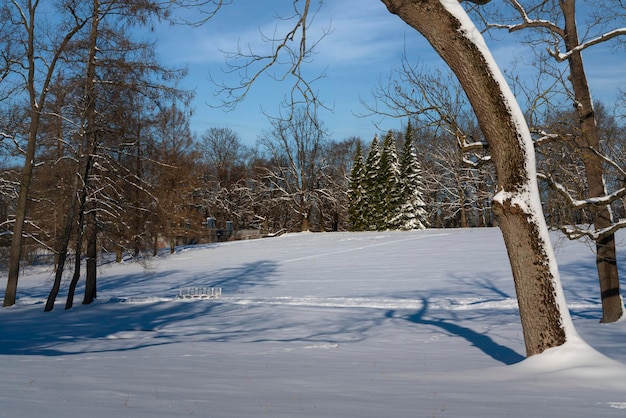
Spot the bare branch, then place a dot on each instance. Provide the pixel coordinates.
(289, 53)
(527, 22)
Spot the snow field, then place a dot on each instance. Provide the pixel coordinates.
(393, 324)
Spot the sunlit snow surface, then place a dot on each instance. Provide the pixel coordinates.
(391, 324)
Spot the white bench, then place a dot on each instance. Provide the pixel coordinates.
(200, 293)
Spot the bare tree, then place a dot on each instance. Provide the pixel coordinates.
(38, 64)
(224, 155)
(555, 23)
(333, 186)
(295, 146)
(115, 68)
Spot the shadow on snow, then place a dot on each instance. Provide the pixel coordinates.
(483, 342)
(116, 326)
(112, 325)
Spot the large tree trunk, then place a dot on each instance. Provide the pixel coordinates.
(589, 143)
(545, 320)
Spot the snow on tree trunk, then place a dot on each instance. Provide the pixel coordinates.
(544, 317)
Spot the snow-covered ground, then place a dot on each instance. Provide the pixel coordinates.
(391, 324)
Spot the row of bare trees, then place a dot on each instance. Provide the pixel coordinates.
(79, 95)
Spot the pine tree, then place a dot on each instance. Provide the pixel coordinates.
(389, 184)
(356, 195)
(371, 186)
(412, 212)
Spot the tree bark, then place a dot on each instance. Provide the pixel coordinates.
(77, 255)
(91, 231)
(79, 234)
(63, 246)
(606, 258)
(91, 257)
(15, 252)
(544, 317)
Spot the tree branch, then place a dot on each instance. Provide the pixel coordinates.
(290, 52)
(560, 57)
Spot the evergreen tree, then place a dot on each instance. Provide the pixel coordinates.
(411, 213)
(389, 184)
(371, 186)
(357, 195)
(386, 191)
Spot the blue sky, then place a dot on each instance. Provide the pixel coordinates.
(365, 44)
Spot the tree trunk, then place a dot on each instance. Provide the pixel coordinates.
(606, 259)
(63, 246)
(544, 317)
(304, 222)
(15, 252)
(91, 231)
(79, 234)
(463, 208)
(91, 257)
(76, 276)
(36, 104)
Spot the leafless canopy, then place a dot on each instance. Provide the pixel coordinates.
(284, 61)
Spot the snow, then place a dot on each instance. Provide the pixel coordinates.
(372, 324)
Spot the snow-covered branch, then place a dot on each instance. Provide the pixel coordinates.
(543, 137)
(562, 56)
(576, 232)
(581, 203)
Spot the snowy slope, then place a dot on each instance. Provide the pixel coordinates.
(393, 324)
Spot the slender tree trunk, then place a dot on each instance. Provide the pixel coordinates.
(91, 257)
(76, 276)
(79, 233)
(589, 143)
(63, 246)
(15, 252)
(36, 104)
(91, 231)
(462, 202)
(544, 317)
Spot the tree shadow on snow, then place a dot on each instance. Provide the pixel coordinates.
(483, 342)
(115, 325)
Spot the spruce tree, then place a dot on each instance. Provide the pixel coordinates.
(389, 184)
(356, 195)
(412, 212)
(371, 186)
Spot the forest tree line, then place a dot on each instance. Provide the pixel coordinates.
(157, 182)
